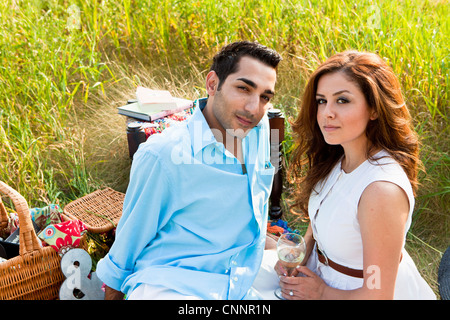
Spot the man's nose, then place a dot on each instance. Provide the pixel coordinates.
(252, 104)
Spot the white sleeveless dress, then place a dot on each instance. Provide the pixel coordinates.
(337, 232)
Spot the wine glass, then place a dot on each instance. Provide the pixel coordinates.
(291, 249)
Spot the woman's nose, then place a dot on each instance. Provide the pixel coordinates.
(329, 110)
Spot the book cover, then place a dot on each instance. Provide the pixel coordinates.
(133, 110)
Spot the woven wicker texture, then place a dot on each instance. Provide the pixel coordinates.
(100, 211)
(3, 216)
(36, 273)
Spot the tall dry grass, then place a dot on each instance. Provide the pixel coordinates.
(66, 65)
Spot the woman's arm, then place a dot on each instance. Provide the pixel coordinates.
(309, 239)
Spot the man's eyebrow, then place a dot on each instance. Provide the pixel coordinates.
(249, 82)
(253, 85)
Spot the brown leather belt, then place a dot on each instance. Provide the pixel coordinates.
(340, 268)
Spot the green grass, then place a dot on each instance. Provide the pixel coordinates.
(66, 65)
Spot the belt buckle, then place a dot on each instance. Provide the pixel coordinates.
(323, 255)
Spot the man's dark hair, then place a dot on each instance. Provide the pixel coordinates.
(226, 61)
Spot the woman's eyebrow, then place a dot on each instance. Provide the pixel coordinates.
(334, 94)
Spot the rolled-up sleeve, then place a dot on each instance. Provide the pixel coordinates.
(145, 209)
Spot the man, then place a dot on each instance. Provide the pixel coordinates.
(195, 212)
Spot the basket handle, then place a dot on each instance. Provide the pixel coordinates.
(28, 240)
(3, 216)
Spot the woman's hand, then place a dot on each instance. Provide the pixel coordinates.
(307, 286)
(281, 271)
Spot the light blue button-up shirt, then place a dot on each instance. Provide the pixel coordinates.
(193, 220)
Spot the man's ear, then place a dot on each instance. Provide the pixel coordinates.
(212, 82)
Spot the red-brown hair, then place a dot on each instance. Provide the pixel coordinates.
(313, 159)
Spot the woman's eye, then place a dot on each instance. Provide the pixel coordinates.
(342, 100)
(321, 101)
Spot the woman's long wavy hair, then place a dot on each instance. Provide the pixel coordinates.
(313, 159)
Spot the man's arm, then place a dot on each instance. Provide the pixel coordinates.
(143, 209)
(111, 294)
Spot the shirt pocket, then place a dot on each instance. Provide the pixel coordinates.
(264, 178)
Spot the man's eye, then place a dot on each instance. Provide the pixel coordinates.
(266, 98)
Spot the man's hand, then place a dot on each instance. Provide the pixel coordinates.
(271, 243)
(111, 294)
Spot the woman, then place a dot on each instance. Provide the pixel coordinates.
(355, 141)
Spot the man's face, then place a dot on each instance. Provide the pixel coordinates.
(243, 98)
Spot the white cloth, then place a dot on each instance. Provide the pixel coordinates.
(337, 232)
(146, 291)
(267, 281)
(263, 288)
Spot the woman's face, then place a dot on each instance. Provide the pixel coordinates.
(342, 111)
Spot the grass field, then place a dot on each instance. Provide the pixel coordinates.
(66, 65)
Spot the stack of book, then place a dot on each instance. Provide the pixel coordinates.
(154, 104)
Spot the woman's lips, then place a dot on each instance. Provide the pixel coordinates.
(330, 128)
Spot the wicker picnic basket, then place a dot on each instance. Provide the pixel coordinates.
(35, 274)
(100, 210)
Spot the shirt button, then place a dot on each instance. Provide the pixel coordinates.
(235, 279)
(234, 263)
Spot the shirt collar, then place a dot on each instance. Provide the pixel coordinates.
(199, 130)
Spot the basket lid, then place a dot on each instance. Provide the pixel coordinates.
(100, 210)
